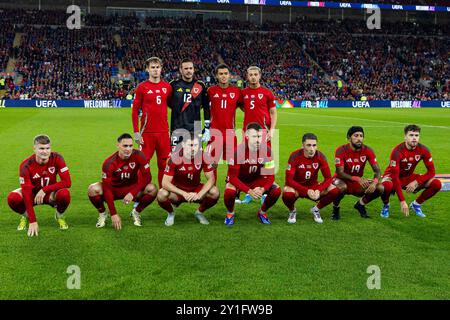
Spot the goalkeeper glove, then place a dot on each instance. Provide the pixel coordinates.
(206, 135)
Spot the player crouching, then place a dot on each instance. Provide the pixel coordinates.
(252, 170)
(39, 186)
(126, 175)
(181, 181)
(301, 179)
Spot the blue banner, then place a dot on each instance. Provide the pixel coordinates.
(88, 104)
(324, 4)
(362, 104)
(110, 104)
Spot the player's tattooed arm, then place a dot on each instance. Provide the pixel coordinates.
(377, 176)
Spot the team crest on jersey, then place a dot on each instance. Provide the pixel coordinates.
(315, 165)
(164, 90)
(363, 158)
(198, 166)
(51, 170)
(232, 95)
(195, 90)
(417, 157)
(132, 165)
(260, 95)
(260, 160)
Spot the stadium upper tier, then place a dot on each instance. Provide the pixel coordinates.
(303, 60)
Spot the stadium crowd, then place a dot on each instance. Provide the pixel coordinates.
(308, 60)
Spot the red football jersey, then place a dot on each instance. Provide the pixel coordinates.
(126, 172)
(304, 171)
(37, 176)
(354, 161)
(151, 98)
(257, 103)
(246, 167)
(403, 162)
(186, 176)
(223, 106)
(34, 177)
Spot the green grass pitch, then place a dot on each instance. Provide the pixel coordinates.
(247, 261)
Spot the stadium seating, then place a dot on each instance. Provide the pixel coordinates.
(303, 60)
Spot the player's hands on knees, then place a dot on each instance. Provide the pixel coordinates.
(189, 196)
(256, 193)
(364, 182)
(39, 199)
(128, 198)
(197, 197)
(371, 188)
(404, 207)
(411, 187)
(313, 194)
(116, 222)
(33, 229)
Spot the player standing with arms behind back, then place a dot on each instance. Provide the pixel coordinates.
(151, 98)
(224, 100)
(400, 174)
(39, 186)
(189, 96)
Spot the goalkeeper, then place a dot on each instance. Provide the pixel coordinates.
(189, 96)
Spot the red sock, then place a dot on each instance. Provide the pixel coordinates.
(328, 198)
(166, 205)
(271, 198)
(388, 186)
(62, 200)
(229, 198)
(430, 191)
(16, 203)
(144, 201)
(207, 203)
(97, 201)
(161, 167)
(289, 200)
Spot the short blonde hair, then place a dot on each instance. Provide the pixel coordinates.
(153, 60)
(251, 68)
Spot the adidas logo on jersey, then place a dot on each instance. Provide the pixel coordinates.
(183, 169)
(349, 160)
(149, 91)
(36, 176)
(216, 95)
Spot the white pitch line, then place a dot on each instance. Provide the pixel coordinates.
(364, 119)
